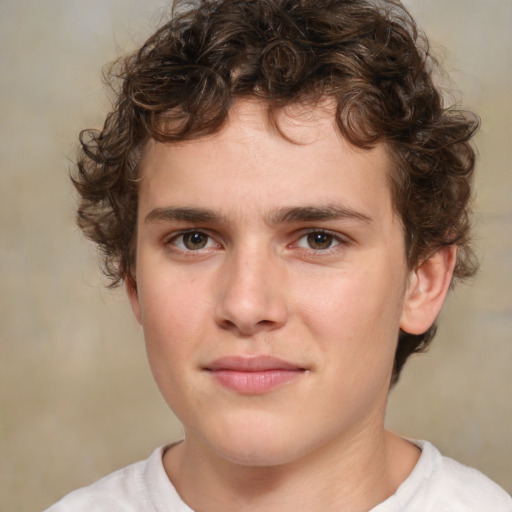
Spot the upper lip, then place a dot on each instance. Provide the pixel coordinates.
(251, 364)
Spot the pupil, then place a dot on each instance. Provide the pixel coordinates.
(319, 240)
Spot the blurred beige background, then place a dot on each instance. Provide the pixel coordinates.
(76, 397)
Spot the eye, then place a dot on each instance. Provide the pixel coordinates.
(192, 241)
(319, 241)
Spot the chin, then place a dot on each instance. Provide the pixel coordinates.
(254, 442)
(258, 454)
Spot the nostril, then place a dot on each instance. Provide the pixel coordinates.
(227, 324)
(266, 323)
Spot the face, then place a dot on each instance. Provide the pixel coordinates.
(271, 281)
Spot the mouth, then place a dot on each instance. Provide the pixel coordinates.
(253, 375)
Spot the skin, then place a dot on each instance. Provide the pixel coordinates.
(253, 244)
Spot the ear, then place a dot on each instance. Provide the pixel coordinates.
(130, 286)
(426, 291)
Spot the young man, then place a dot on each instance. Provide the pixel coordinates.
(286, 200)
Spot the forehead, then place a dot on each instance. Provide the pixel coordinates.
(289, 157)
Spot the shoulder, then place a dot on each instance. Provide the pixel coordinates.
(471, 488)
(121, 490)
(139, 486)
(449, 486)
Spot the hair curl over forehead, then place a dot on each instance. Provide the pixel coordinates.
(366, 56)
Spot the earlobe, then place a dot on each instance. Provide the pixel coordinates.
(130, 286)
(427, 290)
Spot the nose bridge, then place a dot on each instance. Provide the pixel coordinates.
(250, 297)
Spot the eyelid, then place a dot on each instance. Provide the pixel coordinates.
(341, 239)
(168, 240)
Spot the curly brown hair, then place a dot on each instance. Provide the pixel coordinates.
(368, 56)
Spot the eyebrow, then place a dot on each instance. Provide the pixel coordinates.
(184, 214)
(280, 216)
(317, 213)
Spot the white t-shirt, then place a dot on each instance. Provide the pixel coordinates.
(437, 484)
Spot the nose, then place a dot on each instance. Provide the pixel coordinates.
(250, 295)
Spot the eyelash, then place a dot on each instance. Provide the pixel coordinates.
(336, 239)
(180, 236)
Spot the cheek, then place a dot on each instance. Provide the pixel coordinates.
(356, 315)
(173, 320)
(172, 328)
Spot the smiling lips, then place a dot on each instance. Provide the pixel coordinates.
(253, 375)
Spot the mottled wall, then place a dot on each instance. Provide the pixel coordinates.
(76, 397)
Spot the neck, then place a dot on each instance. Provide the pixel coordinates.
(355, 473)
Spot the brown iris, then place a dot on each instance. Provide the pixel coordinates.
(195, 240)
(319, 240)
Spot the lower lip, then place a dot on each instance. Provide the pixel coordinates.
(257, 382)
